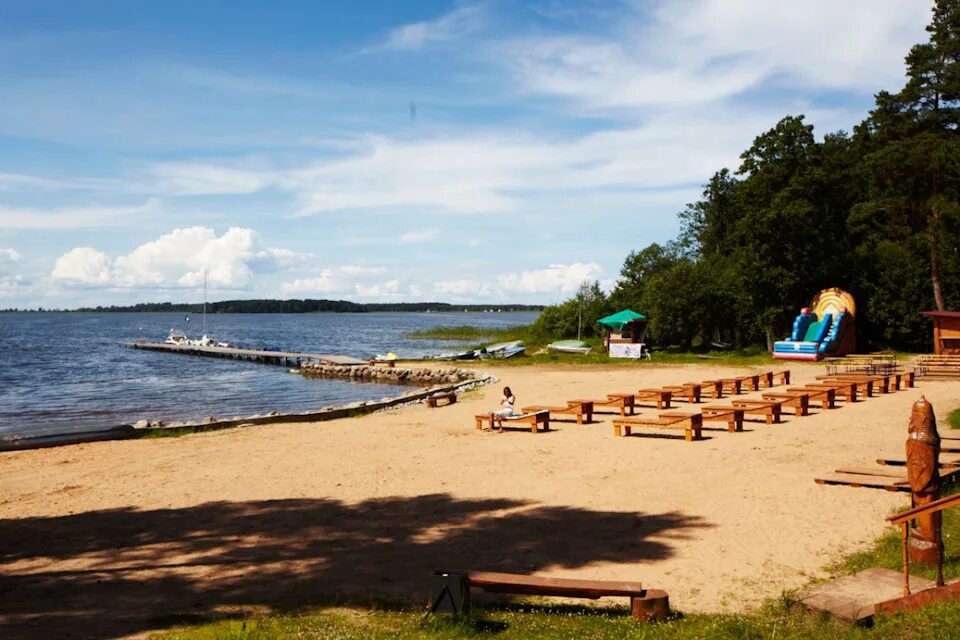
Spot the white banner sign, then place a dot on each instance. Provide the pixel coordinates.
(626, 350)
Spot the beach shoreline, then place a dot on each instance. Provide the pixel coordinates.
(364, 508)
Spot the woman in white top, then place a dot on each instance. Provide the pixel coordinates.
(505, 410)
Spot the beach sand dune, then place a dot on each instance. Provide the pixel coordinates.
(115, 538)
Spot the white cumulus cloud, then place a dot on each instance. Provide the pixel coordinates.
(556, 278)
(177, 259)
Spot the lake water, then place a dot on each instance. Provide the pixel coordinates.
(64, 372)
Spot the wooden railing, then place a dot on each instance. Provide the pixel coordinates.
(904, 519)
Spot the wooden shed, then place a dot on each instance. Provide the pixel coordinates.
(946, 332)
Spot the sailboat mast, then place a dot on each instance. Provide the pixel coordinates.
(204, 302)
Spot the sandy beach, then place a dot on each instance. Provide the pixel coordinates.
(116, 538)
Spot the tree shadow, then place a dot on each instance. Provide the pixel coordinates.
(116, 572)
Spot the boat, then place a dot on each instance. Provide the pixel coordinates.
(570, 346)
(177, 338)
(456, 355)
(502, 350)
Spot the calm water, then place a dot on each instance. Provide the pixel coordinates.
(68, 372)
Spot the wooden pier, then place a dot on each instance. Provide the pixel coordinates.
(285, 358)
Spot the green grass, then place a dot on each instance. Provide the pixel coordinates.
(476, 337)
(953, 419)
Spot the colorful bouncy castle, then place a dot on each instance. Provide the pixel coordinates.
(825, 328)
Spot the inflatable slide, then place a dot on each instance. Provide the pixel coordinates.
(825, 328)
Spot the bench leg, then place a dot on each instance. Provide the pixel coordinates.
(616, 431)
(653, 606)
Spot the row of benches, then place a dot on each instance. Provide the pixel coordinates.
(538, 416)
(772, 405)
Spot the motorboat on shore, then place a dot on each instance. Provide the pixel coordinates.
(503, 350)
(570, 346)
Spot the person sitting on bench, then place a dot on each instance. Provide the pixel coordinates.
(505, 410)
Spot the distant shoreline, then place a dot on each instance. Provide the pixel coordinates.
(291, 306)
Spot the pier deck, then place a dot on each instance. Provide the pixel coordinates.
(274, 357)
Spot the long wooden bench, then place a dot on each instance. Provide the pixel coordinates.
(782, 376)
(865, 386)
(769, 409)
(751, 380)
(728, 385)
(532, 419)
(826, 397)
(879, 383)
(731, 415)
(582, 410)
(845, 390)
(691, 423)
(653, 396)
(799, 401)
(711, 388)
(645, 604)
(688, 390)
(449, 396)
(623, 402)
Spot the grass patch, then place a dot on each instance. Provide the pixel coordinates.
(953, 419)
(467, 333)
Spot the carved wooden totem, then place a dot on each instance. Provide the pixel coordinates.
(923, 472)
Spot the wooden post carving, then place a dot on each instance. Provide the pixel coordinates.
(923, 472)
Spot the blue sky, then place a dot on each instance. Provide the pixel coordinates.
(498, 151)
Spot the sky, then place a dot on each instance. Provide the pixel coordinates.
(467, 152)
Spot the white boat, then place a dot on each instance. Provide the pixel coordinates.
(503, 350)
(177, 338)
(570, 346)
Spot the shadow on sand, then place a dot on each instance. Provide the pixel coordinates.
(117, 572)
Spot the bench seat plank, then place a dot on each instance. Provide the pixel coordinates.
(538, 585)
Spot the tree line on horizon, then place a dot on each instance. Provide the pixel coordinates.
(874, 212)
(304, 306)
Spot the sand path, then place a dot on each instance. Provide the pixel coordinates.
(114, 538)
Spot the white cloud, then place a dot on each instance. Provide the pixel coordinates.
(341, 280)
(75, 217)
(193, 178)
(446, 29)
(410, 237)
(556, 278)
(177, 259)
(463, 288)
(9, 267)
(83, 266)
(702, 51)
(502, 172)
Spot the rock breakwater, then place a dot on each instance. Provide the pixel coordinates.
(420, 376)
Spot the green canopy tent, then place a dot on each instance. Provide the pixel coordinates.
(620, 319)
(623, 333)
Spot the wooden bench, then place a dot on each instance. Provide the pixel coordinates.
(688, 390)
(731, 415)
(533, 419)
(449, 396)
(769, 409)
(645, 604)
(653, 396)
(384, 363)
(799, 401)
(731, 385)
(826, 397)
(752, 380)
(711, 388)
(846, 390)
(782, 376)
(864, 385)
(623, 402)
(766, 379)
(879, 383)
(582, 410)
(691, 423)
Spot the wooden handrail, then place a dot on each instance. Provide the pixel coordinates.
(930, 507)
